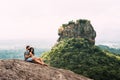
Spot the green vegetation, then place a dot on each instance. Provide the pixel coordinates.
(113, 50)
(112, 55)
(78, 55)
(64, 25)
(71, 22)
(82, 21)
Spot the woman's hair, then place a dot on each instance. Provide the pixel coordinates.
(31, 50)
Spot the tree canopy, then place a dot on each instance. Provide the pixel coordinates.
(78, 55)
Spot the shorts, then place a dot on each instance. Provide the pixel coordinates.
(29, 59)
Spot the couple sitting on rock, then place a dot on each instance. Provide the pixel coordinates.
(29, 56)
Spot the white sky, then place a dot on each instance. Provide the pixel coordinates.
(40, 19)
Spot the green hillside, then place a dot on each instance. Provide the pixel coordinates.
(80, 56)
(113, 50)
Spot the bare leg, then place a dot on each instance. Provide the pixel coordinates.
(38, 60)
(41, 60)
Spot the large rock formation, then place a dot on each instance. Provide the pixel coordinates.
(75, 52)
(21, 70)
(80, 29)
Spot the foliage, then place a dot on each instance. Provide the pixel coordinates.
(64, 25)
(71, 22)
(113, 50)
(82, 21)
(78, 55)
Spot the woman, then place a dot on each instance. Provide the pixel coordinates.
(35, 59)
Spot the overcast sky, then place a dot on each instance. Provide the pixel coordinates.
(40, 19)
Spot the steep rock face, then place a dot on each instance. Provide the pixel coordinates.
(80, 29)
(21, 70)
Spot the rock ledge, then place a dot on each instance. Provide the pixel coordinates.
(20, 70)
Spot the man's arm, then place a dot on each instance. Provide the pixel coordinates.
(27, 56)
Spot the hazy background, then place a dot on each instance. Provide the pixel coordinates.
(37, 21)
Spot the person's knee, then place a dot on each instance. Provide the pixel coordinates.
(35, 59)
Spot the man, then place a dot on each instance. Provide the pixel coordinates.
(27, 55)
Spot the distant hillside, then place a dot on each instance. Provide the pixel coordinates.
(113, 50)
(18, 53)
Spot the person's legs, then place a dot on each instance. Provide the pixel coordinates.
(42, 61)
(39, 60)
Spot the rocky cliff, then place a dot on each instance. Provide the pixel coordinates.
(80, 29)
(75, 52)
(21, 70)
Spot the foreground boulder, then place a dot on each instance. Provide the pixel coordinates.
(21, 70)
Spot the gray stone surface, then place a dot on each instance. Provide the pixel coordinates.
(20, 70)
(79, 29)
